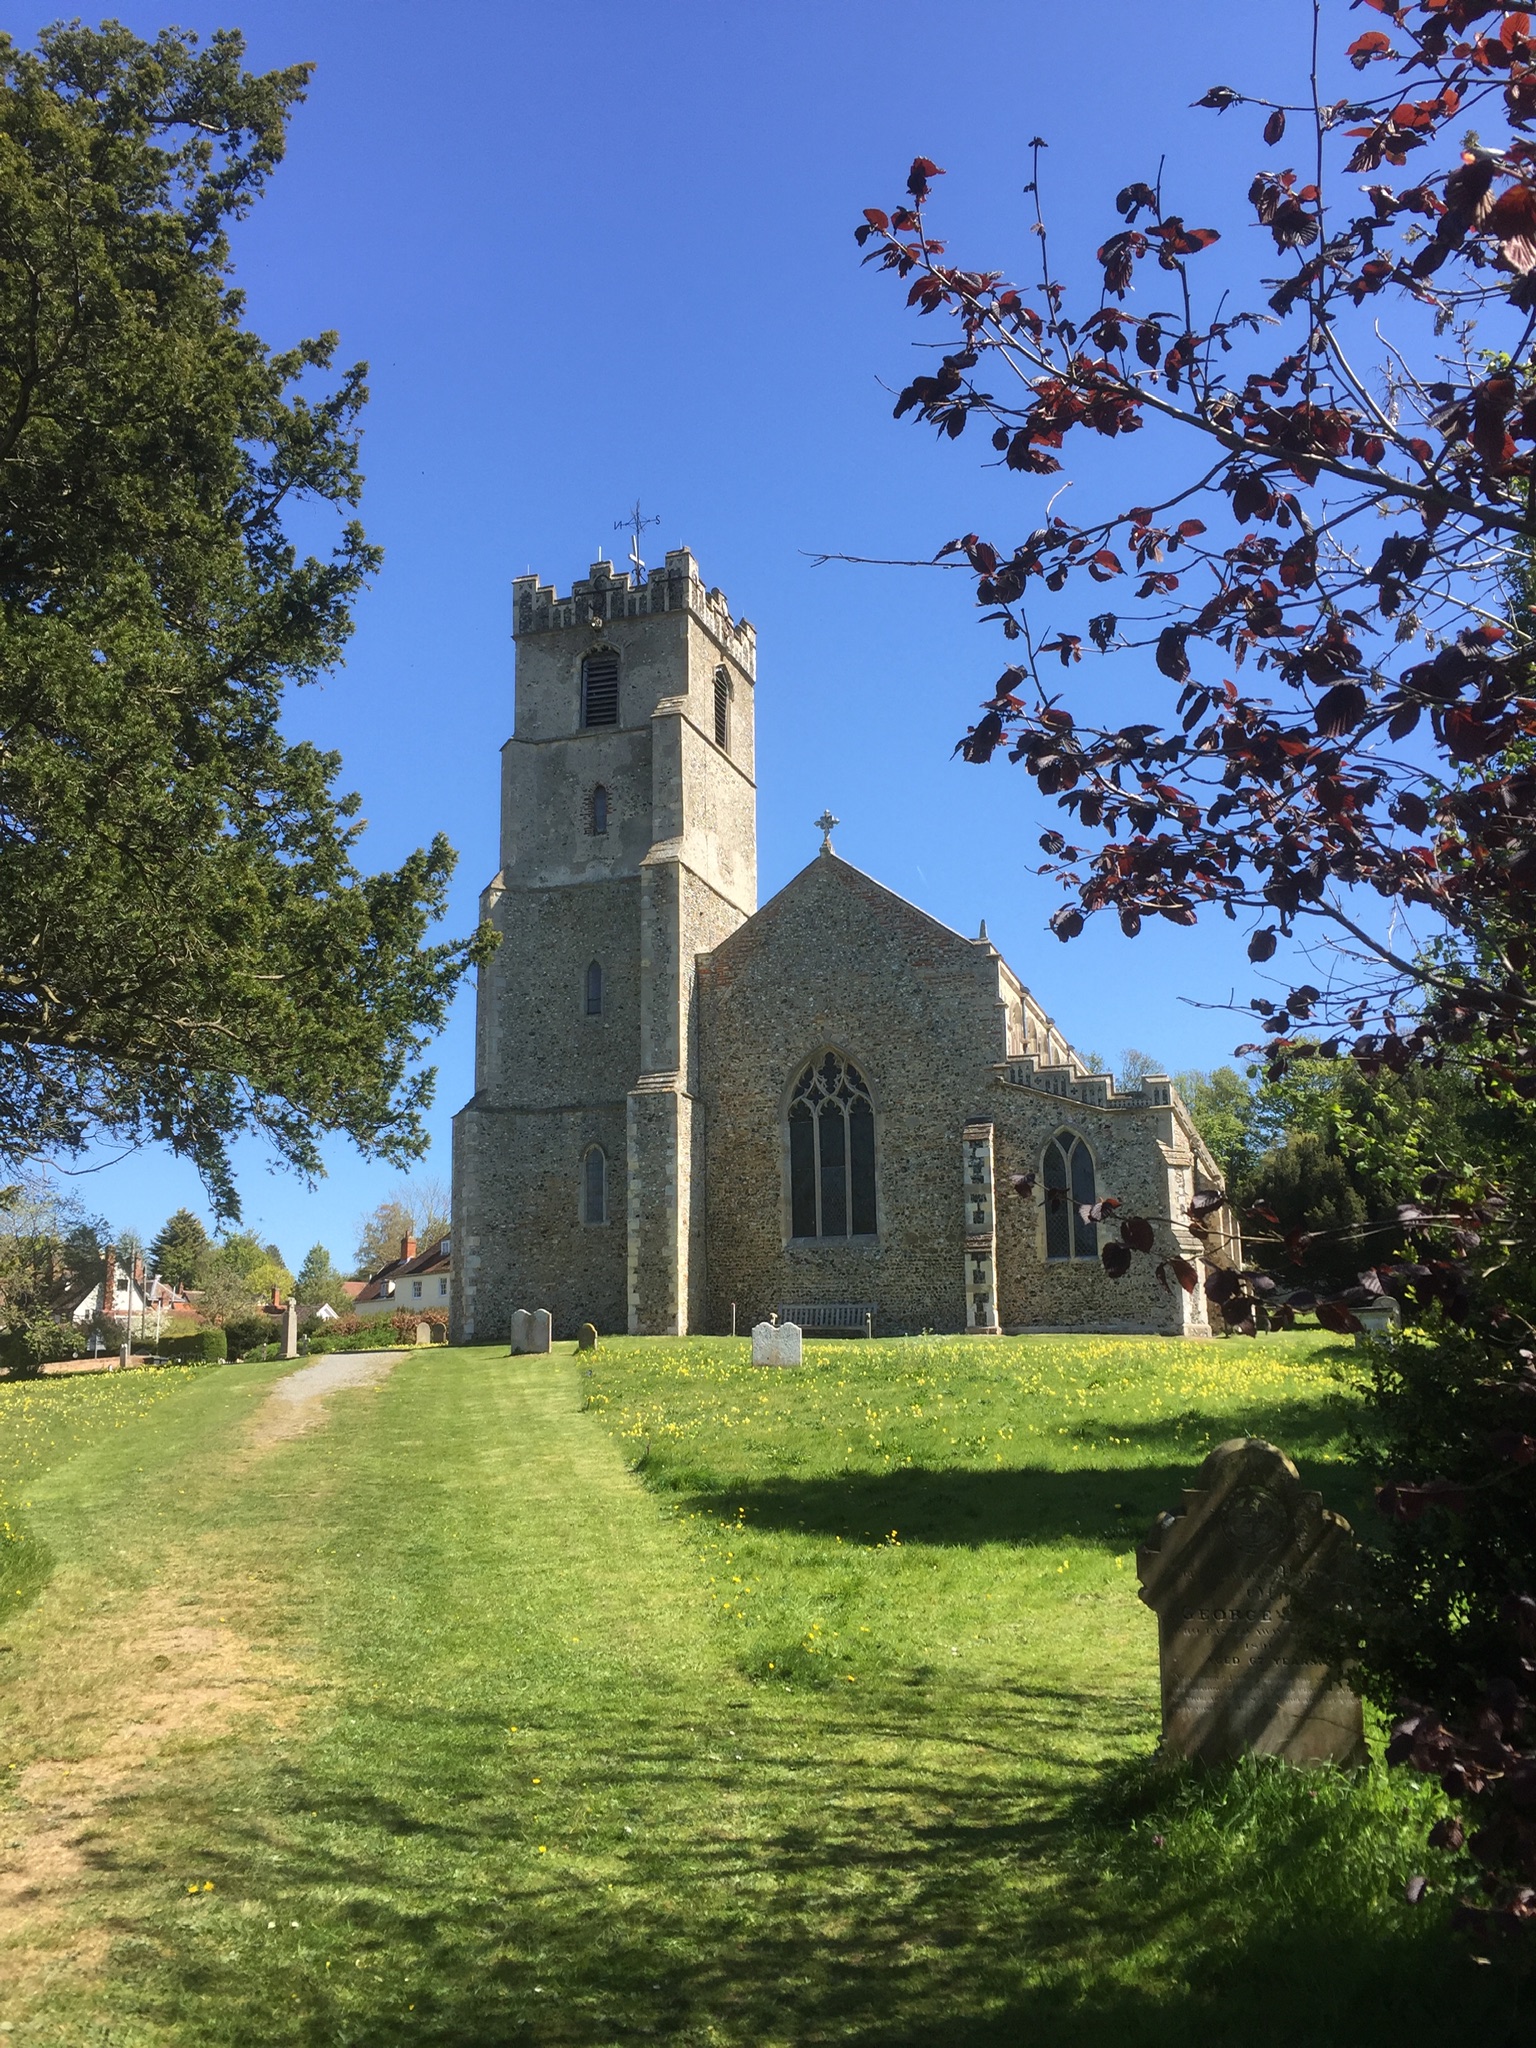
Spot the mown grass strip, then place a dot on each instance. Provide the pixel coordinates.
(559, 1760)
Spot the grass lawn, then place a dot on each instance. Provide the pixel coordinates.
(652, 1697)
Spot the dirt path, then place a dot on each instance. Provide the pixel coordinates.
(294, 1406)
(174, 1670)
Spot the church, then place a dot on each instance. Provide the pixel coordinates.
(691, 1113)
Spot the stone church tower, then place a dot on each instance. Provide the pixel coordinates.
(628, 847)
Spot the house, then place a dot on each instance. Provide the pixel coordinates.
(416, 1281)
(116, 1291)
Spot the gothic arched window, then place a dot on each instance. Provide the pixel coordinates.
(1068, 1179)
(831, 1151)
(594, 1185)
(599, 810)
(723, 709)
(594, 990)
(600, 688)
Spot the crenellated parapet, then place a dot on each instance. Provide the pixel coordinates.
(1093, 1091)
(605, 595)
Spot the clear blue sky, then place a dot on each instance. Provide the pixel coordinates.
(600, 251)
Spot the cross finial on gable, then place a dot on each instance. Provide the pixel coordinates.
(824, 826)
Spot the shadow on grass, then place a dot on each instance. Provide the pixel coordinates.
(852, 1880)
(949, 1505)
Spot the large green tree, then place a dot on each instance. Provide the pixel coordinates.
(319, 1282)
(180, 1248)
(187, 949)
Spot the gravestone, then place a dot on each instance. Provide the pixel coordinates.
(586, 1337)
(423, 1333)
(776, 1344)
(530, 1331)
(1233, 1576)
(291, 1330)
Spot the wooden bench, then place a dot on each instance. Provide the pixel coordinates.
(830, 1318)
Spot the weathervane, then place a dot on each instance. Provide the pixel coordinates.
(635, 522)
(824, 826)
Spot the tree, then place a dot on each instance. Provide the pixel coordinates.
(238, 1274)
(1383, 749)
(187, 949)
(1353, 520)
(49, 1245)
(319, 1282)
(178, 1251)
(1135, 1067)
(417, 1208)
(1222, 1105)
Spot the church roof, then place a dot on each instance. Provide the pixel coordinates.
(830, 869)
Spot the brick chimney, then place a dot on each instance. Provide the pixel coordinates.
(407, 1247)
(277, 1295)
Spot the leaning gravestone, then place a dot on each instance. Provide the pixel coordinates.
(1233, 1577)
(586, 1337)
(776, 1344)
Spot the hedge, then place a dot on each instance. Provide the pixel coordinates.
(205, 1347)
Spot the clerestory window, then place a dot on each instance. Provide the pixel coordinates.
(1069, 1183)
(594, 1185)
(831, 1151)
(594, 990)
(600, 688)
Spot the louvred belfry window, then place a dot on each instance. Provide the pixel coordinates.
(1069, 1183)
(722, 710)
(831, 1151)
(600, 689)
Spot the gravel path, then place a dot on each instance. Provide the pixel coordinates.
(293, 1406)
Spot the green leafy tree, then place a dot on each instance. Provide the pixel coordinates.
(180, 1248)
(1222, 1104)
(238, 1275)
(187, 949)
(319, 1282)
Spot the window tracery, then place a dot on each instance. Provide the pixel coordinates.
(831, 1151)
(1069, 1182)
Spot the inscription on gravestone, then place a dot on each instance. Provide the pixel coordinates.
(776, 1344)
(1233, 1576)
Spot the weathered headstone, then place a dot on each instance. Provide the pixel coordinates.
(540, 1329)
(775, 1343)
(291, 1330)
(1385, 1319)
(586, 1337)
(520, 1322)
(423, 1333)
(1234, 1576)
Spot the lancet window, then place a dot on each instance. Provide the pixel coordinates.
(723, 709)
(1069, 1183)
(594, 1185)
(595, 989)
(597, 811)
(831, 1151)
